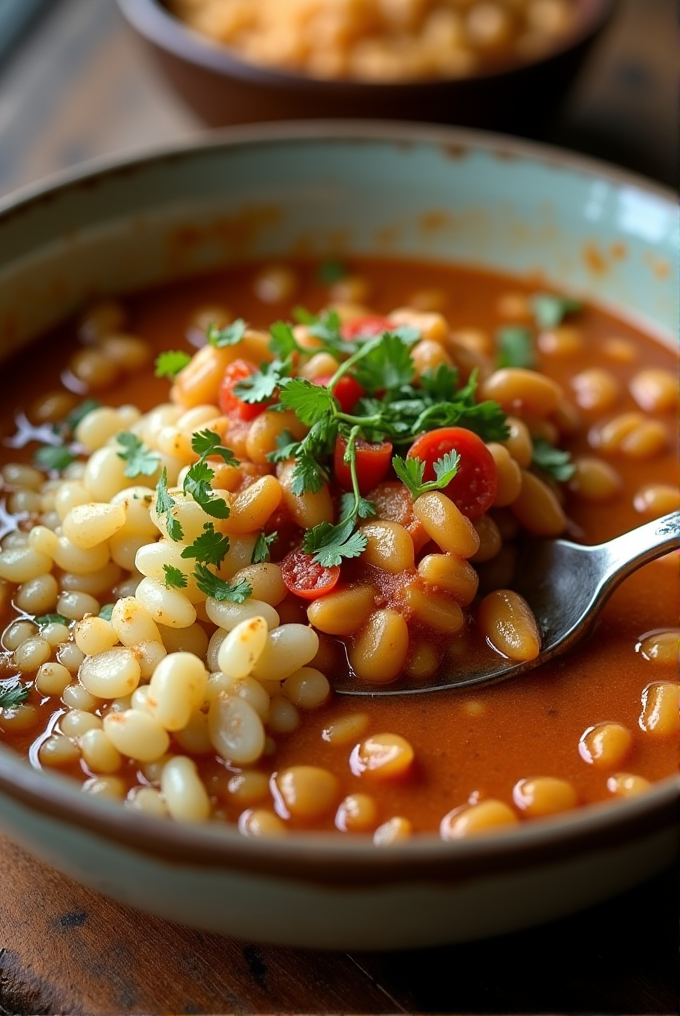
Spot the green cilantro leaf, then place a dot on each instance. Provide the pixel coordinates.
(260, 387)
(330, 544)
(229, 336)
(331, 271)
(12, 693)
(387, 364)
(141, 461)
(46, 619)
(54, 457)
(164, 505)
(309, 474)
(260, 553)
(440, 385)
(283, 341)
(311, 403)
(107, 611)
(286, 447)
(515, 347)
(552, 461)
(208, 442)
(197, 485)
(209, 548)
(549, 310)
(170, 363)
(73, 418)
(212, 585)
(174, 578)
(349, 505)
(412, 470)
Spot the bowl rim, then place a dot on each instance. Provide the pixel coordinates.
(155, 23)
(327, 857)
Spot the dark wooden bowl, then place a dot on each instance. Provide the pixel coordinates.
(224, 90)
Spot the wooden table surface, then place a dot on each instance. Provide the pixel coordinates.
(65, 949)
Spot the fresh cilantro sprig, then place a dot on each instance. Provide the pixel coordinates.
(170, 363)
(549, 309)
(174, 577)
(261, 386)
(515, 347)
(207, 442)
(219, 589)
(139, 460)
(197, 485)
(411, 473)
(12, 693)
(209, 547)
(554, 462)
(230, 335)
(54, 457)
(261, 552)
(165, 503)
(45, 619)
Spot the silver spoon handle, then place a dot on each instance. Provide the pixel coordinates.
(626, 553)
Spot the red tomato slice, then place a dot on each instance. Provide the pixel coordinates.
(229, 403)
(473, 488)
(373, 463)
(347, 391)
(306, 577)
(371, 324)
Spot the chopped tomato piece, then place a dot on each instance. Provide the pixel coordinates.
(347, 391)
(229, 403)
(473, 488)
(371, 324)
(307, 578)
(373, 463)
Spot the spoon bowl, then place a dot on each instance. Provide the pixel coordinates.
(566, 585)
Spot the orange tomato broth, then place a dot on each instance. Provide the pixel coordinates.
(473, 744)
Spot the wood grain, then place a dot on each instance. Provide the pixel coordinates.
(66, 949)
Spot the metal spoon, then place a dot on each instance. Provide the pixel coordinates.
(566, 585)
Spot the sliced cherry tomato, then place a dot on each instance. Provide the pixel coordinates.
(230, 404)
(347, 391)
(373, 463)
(473, 488)
(307, 578)
(371, 324)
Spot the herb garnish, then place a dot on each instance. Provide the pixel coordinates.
(46, 619)
(209, 548)
(411, 472)
(515, 347)
(139, 460)
(12, 693)
(230, 335)
(219, 589)
(54, 457)
(260, 553)
(174, 577)
(552, 461)
(549, 309)
(170, 363)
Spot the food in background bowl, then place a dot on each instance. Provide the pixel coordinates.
(344, 492)
(384, 40)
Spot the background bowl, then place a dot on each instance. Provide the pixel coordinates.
(435, 194)
(225, 90)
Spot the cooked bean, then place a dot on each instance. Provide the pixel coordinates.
(562, 341)
(286, 650)
(544, 795)
(380, 649)
(595, 480)
(166, 606)
(184, 792)
(307, 791)
(508, 475)
(655, 390)
(307, 688)
(176, 689)
(537, 507)
(70, 656)
(388, 546)
(346, 729)
(423, 661)
(38, 595)
(522, 391)
(52, 678)
(129, 352)
(16, 719)
(518, 442)
(506, 621)
(98, 751)
(93, 369)
(147, 800)
(661, 647)
(108, 786)
(193, 639)
(357, 813)
(452, 574)
(490, 540)
(605, 745)
(94, 635)
(627, 784)
(446, 525)
(31, 654)
(261, 822)
(395, 830)
(342, 612)
(21, 564)
(275, 284)
(75, 605)
(308, 509)
(57, 750)
(383, 757)
(481, 818)
(110, 673)
(657, 499)
(596, 389)
(660, 704)
(252, 507)
(439, 612)
(18, 632)
(283, 717)
(236, 730)
(137, 734)
(247, 688)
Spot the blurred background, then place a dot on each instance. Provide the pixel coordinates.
(77, 83)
